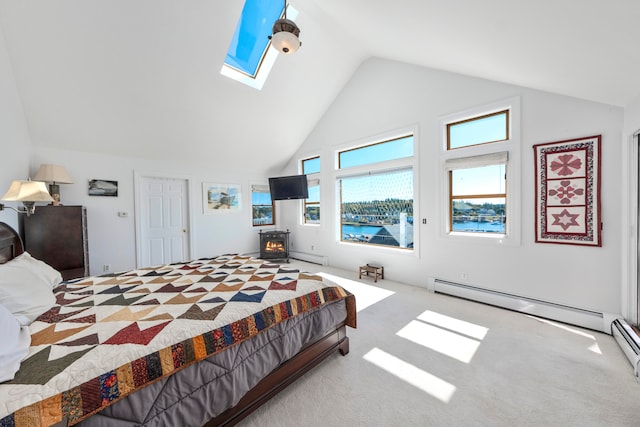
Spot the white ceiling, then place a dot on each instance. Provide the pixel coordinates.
(142, 77)
(583, 48)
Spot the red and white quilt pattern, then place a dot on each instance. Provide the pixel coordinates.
(568, 192)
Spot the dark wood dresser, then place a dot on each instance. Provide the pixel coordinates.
(57, 235)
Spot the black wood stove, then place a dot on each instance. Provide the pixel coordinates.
(274, 244)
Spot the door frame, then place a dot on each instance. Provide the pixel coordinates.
(137, 179)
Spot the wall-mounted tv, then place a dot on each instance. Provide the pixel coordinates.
(288, 187)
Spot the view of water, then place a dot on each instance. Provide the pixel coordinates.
(486, 227)
(370, 230)
(359, 230)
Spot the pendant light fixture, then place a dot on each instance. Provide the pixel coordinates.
(285, 34)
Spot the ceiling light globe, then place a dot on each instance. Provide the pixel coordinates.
(285, 36)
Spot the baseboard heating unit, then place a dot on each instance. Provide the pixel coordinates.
(302, 256)
(590, 319)
(316, 259)
(629, 342)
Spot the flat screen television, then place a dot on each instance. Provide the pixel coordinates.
(288, 187)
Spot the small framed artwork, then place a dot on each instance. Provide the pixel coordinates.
(568, 192)
(218, 198)
(103, 187)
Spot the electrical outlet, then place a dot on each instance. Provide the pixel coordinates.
(465, 276)
(312, 247)
(106, 267)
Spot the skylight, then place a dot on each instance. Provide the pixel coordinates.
(249, 58)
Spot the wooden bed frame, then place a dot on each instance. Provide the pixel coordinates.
(11, 246)
(10, 243)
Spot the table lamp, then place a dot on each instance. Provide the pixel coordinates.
(28, 192)
(55, 175)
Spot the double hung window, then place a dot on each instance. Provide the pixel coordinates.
(311, 205)
(477, 169)
(263, 211)
(477, 193)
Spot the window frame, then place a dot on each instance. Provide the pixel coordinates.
(406, 163)
(311, 177)
(372, 144)
(452, 198)
(273, 207)
(472, 119)
(512, 234)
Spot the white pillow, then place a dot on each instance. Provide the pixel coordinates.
(26, 287)
(15, 341)
(41, 268)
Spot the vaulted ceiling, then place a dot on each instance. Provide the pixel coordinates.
(142, 78)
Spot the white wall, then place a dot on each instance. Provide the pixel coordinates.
(112, 238)
(15, 144)
(383, 96)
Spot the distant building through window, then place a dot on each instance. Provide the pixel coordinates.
(478, 196)
(376, 192)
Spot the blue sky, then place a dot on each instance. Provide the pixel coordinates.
(250, 39)
(391, 150)
(260, 198)
(486, 129)
(482, 180)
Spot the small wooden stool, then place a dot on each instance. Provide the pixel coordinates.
(377, 270)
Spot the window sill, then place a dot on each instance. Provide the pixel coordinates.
(396, 249)
(479, 238)
(477, 235)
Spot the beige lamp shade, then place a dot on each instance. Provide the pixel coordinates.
(27, 191)
(53, 173)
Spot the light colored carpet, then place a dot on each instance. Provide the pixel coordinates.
(424, 359)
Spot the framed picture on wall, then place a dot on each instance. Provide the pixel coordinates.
(103, 187)
(219, 198)
(567, 186)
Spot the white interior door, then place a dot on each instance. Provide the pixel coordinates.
(163, 235)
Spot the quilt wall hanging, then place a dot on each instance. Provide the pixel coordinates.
(568, 192)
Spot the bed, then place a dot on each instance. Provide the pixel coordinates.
(203, 342)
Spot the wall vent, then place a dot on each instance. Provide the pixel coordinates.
(572, 315)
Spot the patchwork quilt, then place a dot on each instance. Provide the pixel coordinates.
(108, 336)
